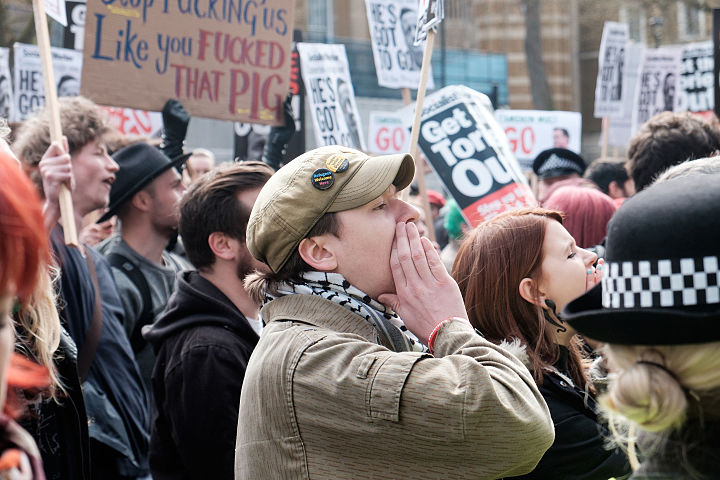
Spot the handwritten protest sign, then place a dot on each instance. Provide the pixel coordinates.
(228, 60)
(621, 128)
(134, 122)
(611, 63)
(56, 10)
(29, 88)
(695, 82)
(468, 150)
(392, 30)
(656, 85)
(6, 92)
(326, 75)
(532, 131)
(388, 133)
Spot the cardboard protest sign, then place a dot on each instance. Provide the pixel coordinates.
(6, 92)
(695, 82)
(56, 10)
(468, 150)
(228, 60)
(74, 34)
(430, 14)
(621, 128)
(656, 85)
(532, 131)
(388, 133)
(326, 75)
(611, 64)
(392, 30)
(29, 88)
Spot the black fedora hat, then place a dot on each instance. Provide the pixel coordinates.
(140, 164)
(556, 162)
(661, 282)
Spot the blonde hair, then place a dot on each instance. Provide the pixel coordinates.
(40, 326)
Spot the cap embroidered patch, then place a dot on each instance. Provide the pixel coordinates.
(322, 179)
(337, 163)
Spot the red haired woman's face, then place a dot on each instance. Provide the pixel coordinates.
(564, 269)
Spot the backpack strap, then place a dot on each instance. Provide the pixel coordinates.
(129, 268)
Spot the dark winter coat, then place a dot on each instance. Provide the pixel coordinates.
(203, 343)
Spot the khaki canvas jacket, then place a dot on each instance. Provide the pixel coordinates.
(322, 400)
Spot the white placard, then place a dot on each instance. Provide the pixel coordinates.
(333, 109)
(388, 133)
(532, 131)
(6, 91)
(56, 9)
(29, 86)
(611, 63)
(656, 84)
(695, 82)
(621, 128)
(392, 26)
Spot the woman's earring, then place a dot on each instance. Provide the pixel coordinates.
(553, 318)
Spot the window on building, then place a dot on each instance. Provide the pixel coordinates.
(319, 20)
(691, 21)
(636, 18)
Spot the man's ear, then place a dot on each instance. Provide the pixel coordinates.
(316, 253)
(615, 190)
(142, 201)
(222, 246)
(529, 290)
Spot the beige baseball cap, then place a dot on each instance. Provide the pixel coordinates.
(327, 179)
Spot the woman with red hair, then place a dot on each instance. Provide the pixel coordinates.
(23, 250)
(515, 272)
(587, 212)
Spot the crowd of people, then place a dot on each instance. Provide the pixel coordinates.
(253, 321)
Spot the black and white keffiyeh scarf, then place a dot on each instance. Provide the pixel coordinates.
(389, 328)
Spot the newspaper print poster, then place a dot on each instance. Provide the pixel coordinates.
(29, 84)
(392, 31)
(656, 84)
(620, 130)
(326, 75)
(6, 92)
(611, 64)
(695, 81)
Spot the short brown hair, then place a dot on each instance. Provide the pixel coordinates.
(211, 205)
(668, 139)
(491, 263)
(81, 121)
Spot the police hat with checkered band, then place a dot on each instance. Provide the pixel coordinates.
(557, 162)
(661, 280)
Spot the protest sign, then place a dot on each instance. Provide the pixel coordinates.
(695, 82)
(532, 131)
(431, 13)
(656, 84)
(716, 55)
(392, 30)
(468, 150)
(388, 133)
(134, 122)
(611, 63)
(74, 34)
(326, 75)
(6, 92)
(29, 88)
(228, 60)
(56, 10)
(621, 128)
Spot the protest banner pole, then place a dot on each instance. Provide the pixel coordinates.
(605, 134)
(415, 134)
(43, 38)
(407, 98)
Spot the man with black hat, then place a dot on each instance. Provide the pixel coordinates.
(555, 165)
(145, 196)
(338, 382)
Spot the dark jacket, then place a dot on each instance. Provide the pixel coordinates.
(203, 343)
(579, 451)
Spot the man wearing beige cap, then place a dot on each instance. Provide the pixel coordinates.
(337, 386)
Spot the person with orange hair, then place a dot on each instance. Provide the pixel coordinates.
(515, 272)
(24, 250)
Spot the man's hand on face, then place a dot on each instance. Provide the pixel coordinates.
(425, 293)
(55, 169)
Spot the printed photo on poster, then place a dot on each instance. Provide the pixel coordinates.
(611, 65)
(657, 84)
(6, 91)
(329, 89)
(695, 81)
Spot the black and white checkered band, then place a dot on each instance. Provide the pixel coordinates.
(661, 283)
(554, 162)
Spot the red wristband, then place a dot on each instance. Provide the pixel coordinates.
(433, 334)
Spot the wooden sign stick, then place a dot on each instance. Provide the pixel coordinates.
(41, 30)
(415, 134)
(605, 135)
